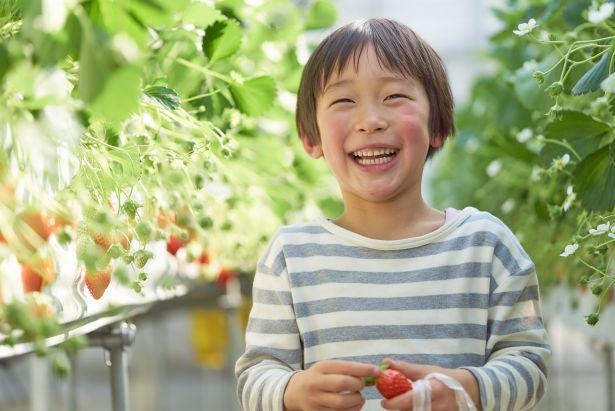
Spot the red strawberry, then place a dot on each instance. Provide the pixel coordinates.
(104, 241)
(174, 244)
(39, 222)
(32, 227)
(390, 383)
(224, 276)
(30, 280)
(34, 277)
(205, 258)
(98, 281)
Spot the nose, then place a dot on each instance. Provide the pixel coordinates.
(370, 120)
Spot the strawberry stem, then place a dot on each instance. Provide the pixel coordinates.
(369, 381)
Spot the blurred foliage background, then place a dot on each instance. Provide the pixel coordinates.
(535, 141)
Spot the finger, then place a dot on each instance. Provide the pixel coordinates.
(341, 401)
(339, 383)
(356, 369)
(401, 402)
(411, 370)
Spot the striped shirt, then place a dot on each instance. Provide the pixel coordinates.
(465, 295)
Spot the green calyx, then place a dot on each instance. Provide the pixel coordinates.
(371, 380)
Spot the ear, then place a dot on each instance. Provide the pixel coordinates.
(314, 150)
(437, 141)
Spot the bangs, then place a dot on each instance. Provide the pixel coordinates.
(348, 45)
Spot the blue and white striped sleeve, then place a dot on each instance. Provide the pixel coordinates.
(273, 347)
(515, 374)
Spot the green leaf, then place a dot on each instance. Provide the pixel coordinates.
(120, 96)
(149, 12)
(124, 167)
(591, 79)
(166, 97)
(202, 15)
(594, 179)
(95, 63)
(255, 95)
(322, 14)
(4, 61)
(222, 40)
(174, 5)
(574, 125)
(581, 131)
(118, 20)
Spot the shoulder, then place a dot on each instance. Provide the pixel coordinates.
(289, 236)
(484, 221)
(507, 250)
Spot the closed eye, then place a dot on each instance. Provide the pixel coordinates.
(342, 100)
(395, 96)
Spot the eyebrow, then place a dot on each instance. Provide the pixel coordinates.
(385, 79)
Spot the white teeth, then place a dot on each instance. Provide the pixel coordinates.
(368, 161)
(373, 153)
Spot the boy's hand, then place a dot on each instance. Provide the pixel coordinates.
(328, 385)
(442, 397)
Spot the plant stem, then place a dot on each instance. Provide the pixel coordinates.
(565, 145)
(204, 70)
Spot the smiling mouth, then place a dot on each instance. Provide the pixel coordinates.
(377, 156)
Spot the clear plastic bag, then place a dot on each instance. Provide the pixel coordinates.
(421, 393)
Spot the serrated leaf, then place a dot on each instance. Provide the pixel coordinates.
(593, 77)
(255, 95)
(594, 179)
(165, 96)
(202, 15)
(222, 40)
(120, 96)
(321, 15)
(581, 131)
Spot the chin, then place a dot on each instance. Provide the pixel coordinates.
(378, 196)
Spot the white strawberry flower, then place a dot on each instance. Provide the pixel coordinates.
(601, 229)
(569, 250)
(608, 84)
(524, 28)
(560, 163)
(571, 196)
(597, 14)
(524, 135)
(507, 206)
(494, 168)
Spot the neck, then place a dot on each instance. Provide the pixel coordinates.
(390, 220)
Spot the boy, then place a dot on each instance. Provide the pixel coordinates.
(392, 277)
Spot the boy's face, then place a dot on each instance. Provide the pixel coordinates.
(374, 131)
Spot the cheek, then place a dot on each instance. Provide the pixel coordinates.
(332, 124)
(415, 128)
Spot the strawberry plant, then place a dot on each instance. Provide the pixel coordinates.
(128, 123)
(537, 137)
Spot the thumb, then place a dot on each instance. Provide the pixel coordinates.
(411, 370)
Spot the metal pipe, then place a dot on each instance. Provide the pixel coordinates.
(115, 340)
